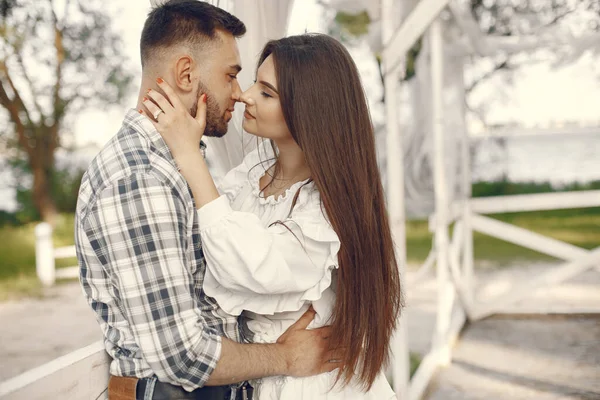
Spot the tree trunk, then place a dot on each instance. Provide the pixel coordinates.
(42, 197)
(41, 165)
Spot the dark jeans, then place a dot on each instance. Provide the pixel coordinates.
(152, 389)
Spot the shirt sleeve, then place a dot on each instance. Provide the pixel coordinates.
(137, 229)
(265, 270)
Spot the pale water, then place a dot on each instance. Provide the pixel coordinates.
(558, 159)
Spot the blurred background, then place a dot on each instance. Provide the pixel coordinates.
(69, 70)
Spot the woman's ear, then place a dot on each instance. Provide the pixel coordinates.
(184, 68)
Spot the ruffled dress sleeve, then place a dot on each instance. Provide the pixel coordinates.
(267, 270)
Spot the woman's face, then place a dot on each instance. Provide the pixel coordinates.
(263, 116)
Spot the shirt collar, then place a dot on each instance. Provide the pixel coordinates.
(141, 124)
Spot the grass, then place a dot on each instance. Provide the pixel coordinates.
(17, 257)
(579, 227)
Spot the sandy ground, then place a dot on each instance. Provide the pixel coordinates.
(517, 357)
(35, 331)
(498, 358)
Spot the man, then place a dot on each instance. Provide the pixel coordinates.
(138, 242)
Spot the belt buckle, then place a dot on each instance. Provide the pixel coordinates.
(247, 391)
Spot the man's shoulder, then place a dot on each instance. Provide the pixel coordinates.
(126, 153)
(129, 155)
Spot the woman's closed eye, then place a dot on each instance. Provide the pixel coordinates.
(265, 94)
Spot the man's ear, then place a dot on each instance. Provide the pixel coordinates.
(184, 68)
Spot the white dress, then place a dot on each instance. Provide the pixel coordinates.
(272, 273)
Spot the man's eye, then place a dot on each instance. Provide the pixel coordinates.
(233, 76)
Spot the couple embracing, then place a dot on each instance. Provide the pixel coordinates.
(280, 283)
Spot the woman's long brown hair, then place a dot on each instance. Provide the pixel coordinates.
(325, 108)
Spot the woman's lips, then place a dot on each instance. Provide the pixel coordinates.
(248, 115)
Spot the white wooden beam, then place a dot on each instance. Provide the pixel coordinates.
(535, 202)
(413, 27)
(67, 273)
(65, 252)
(467, 23)
(455, 212)
(519, 44)
(526, 238)
(429, 364)
(424, 270)
(567, 129)
(80, 375)
(528, 310)
(553, 276)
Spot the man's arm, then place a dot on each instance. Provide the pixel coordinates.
(138, 231)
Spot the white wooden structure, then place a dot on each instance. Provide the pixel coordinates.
(452, 254)
(46, 255)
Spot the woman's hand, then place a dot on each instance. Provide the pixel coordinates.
(180, 131)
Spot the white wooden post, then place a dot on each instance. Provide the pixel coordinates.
(413, 26)
(445, 289)
(44, 254)
(395, 200)
(466, 192)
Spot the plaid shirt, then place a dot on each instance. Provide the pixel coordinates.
(142, 265)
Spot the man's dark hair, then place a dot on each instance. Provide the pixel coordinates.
(189, 22)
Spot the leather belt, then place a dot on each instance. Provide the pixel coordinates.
(131, 388)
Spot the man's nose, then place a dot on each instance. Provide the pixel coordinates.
(237, 91)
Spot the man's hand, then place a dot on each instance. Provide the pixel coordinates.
(298, 352)
(307, 351)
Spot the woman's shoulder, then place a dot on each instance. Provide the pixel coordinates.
(310, 214)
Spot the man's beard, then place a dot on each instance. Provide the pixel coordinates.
(216, 126)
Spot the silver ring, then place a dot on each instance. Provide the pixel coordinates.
(157, 114)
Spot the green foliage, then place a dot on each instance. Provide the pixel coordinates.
(17, 256)
(17, 247)
(354, 24)
(64, 187)
(505, 187)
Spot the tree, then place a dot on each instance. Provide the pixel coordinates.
(57, 57)
(495, 17)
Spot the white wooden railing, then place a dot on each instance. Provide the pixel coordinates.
(80, 375)
(46, 256)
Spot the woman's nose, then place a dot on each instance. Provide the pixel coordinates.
(246, 98)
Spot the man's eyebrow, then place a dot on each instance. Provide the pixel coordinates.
(267, 84)
(237, 67)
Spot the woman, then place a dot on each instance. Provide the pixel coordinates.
(302, 221)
